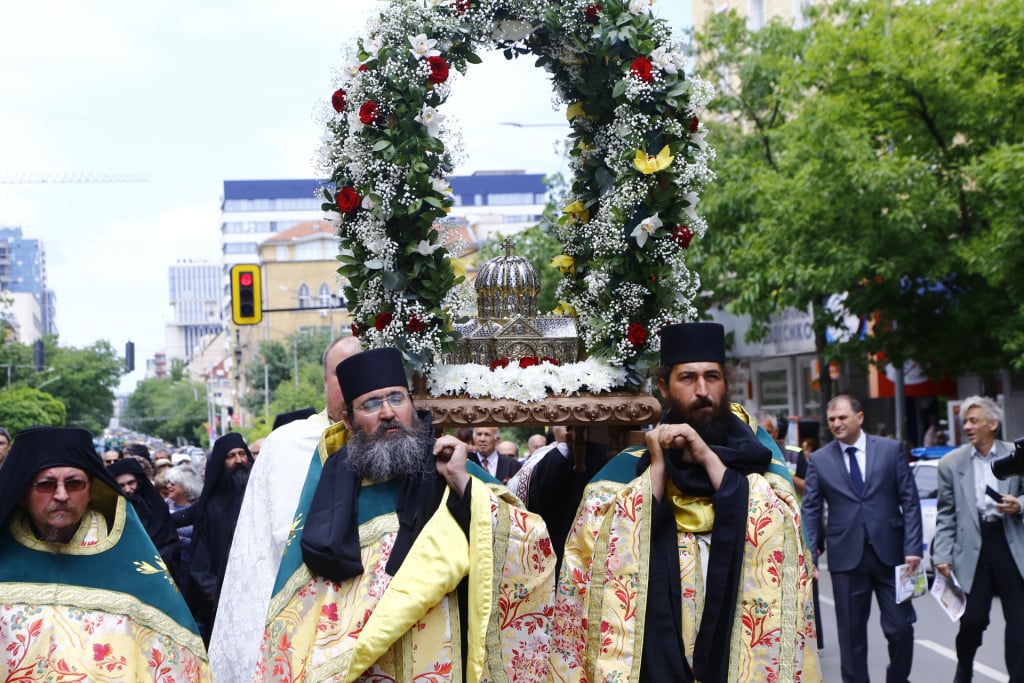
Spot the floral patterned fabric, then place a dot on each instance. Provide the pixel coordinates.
(67, 644)
(121, 620)
(407, 627)
(603, 588)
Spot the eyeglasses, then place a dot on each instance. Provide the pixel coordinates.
(373, 405)
(50, 485)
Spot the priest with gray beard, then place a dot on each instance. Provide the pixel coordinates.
(407, 562)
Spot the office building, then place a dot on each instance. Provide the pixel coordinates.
(196, 289)
(23, 271)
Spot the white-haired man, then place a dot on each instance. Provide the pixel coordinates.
(980, 539)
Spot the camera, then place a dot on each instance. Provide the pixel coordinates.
(1012, 464)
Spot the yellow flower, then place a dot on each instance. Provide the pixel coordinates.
(574, 110)
(563, 309)
(565, 264)
(577, 211)
(458, 267)
(647, 164)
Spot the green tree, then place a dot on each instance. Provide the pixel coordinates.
(82, 379)
(170, 410)
(870, 154)
(302, 351)
(308, 393)
(23, 407)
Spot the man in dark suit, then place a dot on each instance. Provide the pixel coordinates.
(979, 540)
(501, 467)
(874, 524)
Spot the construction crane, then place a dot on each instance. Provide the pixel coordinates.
(75, 177)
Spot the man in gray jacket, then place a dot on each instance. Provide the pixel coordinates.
(979, 540)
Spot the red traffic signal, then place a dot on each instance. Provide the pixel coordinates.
(246, 294)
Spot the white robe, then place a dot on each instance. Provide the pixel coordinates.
(262, 531)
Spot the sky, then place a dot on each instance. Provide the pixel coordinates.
(188, 94)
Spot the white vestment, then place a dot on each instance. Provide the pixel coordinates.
(264, 524)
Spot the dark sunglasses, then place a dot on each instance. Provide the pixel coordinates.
(70, 485)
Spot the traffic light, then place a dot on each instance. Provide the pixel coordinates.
(246, 294)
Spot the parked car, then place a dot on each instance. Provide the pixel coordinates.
(926, 476)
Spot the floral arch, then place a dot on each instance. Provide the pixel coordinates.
(638, 160)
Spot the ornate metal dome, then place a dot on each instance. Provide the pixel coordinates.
(507, 287)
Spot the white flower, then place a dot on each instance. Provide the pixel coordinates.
(376, 246)
(698, 139)
(352, 67)
(369, 202)
(431, 118)
(423, 46)
(441, 185)
(638, 6)
(526, 385)
(665, 60)
(334, 218)
(372, 47)
(647, 227)
(426, 248)
(690, 210)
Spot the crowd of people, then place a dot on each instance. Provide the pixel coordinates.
(361, 545)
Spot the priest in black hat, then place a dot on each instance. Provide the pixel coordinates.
(84, 594)
(687, 554)
(407, 562)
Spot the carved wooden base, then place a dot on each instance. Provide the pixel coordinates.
(609, 418)
(618, 409)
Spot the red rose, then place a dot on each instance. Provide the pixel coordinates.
(682, 236)
(641, 69)
(338, 100)
(528, 361)
(463, 6)
(500, 363)
(415, 324)
(694, 124)
(636, 334)
(368, 112)
(591, 12)
(438, 69)
(355, 329)
(549, 359)
(347, 200)
(382, 320)
(362, 67)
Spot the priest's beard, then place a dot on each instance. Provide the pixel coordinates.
(239, 473)
(56, 534)
(386, 455)
(712, 426)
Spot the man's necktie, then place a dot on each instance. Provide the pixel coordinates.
(855, 475)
